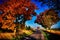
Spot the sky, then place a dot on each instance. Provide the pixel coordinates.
(57, 25)
(41, 9)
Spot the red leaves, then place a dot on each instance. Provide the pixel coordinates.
(48, 18)
(19, 7)
(12, 8)
(0, 19)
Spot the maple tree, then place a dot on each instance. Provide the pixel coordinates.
(12, 10)
(47, 18)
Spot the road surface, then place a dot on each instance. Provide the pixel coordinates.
(37, 35)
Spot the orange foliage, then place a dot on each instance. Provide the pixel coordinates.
(47, 18)
(11, 8)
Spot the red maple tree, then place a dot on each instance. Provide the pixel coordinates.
(13, 9)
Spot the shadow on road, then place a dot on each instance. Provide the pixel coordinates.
(28, 38)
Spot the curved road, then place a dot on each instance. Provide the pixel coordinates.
(37, 35)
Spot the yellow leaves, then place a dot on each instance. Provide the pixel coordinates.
(4, 26)
(9, 16)
(13, 9)
(12, 27)
(6, 35)
(28, 32)
(52, 31)
(9, 25)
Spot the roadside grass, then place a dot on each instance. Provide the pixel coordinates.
(25, 33)
(45, 35)
(28, 32)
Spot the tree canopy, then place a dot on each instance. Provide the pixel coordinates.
(47, 18)
(15, 9)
